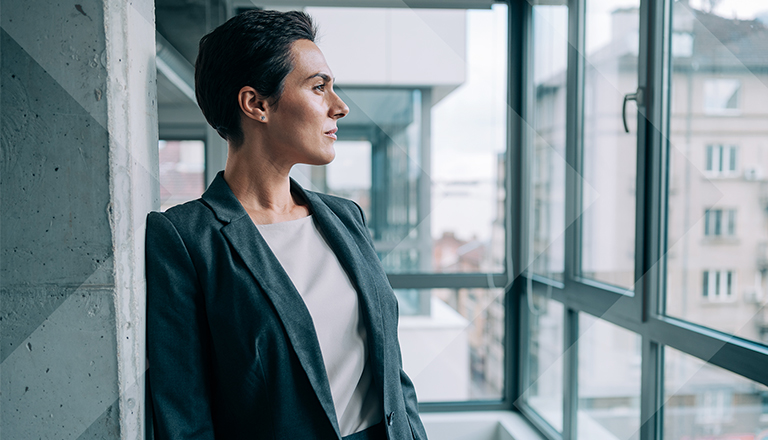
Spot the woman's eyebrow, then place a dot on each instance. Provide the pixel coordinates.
(324, 76)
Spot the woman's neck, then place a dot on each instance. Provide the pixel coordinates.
(262, 186)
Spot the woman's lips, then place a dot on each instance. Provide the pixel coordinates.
(332, 133)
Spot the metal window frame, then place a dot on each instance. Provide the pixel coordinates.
(642, 312)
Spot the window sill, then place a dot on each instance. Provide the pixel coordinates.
(478, 425)
(720, 240)
(723, 175)
(719, 302)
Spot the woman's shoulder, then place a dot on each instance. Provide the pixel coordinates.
(186, 217)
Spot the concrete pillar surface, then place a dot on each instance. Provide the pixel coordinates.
(77, 175)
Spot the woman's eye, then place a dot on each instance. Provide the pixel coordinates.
(320, 87)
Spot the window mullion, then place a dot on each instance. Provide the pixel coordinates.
(574, 117)
(570, 374)
(652, 390)
(653, 63)
(573, 145)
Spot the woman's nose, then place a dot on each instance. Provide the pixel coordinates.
(340, 109)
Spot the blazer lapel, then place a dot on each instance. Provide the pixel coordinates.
(359, 271)
(276, 284)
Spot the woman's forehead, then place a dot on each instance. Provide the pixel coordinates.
(308, 60)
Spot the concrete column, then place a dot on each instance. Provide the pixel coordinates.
(78, 172)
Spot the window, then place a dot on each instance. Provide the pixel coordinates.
(721, 159)
(719, 222)
(424, 152)
(544, 379)
(718, 285)
(726, 148)
(609, 380)
(546, 138)
(608, 168)
(721, 96)
(657, 342)
(704, 401)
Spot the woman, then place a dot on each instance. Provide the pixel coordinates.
(269, 314)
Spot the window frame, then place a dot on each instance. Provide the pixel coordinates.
(729, 151)
(643, 312)
(719, 285)
(719, 223)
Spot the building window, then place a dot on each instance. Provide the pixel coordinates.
(721, 96)
(718, 285)
(719, 222)
(721, 159)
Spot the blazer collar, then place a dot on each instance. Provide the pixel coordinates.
(276, 284)
(222, 201)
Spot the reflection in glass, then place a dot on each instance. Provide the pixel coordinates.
(609, 381)
(547, 139)
(427, 95)
(182, 168)
(706, 402)
(717, 199)
(453, 350)
(609, 154)
(544, 391)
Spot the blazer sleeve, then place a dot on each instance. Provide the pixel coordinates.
(409, 391)
(178, 338)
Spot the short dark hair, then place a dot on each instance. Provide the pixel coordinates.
(251, 49)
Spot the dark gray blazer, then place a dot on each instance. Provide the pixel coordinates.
(231, 347)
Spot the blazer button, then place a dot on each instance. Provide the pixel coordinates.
(391, 418)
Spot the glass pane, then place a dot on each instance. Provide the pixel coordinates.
(706, 402)
(545, 360)
(427, 95)
(452, 341)
(609, 381)
(351, 155)
(182, 172)
(547, 139)
(609, 154)
(717, 240)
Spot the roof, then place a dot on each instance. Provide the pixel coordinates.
(723, 42)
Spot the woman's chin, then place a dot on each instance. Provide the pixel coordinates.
(323, 159)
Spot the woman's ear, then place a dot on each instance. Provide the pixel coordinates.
(253, 105)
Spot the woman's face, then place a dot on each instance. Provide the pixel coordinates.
(302, 128)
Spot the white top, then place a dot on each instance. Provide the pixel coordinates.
(333, 304)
